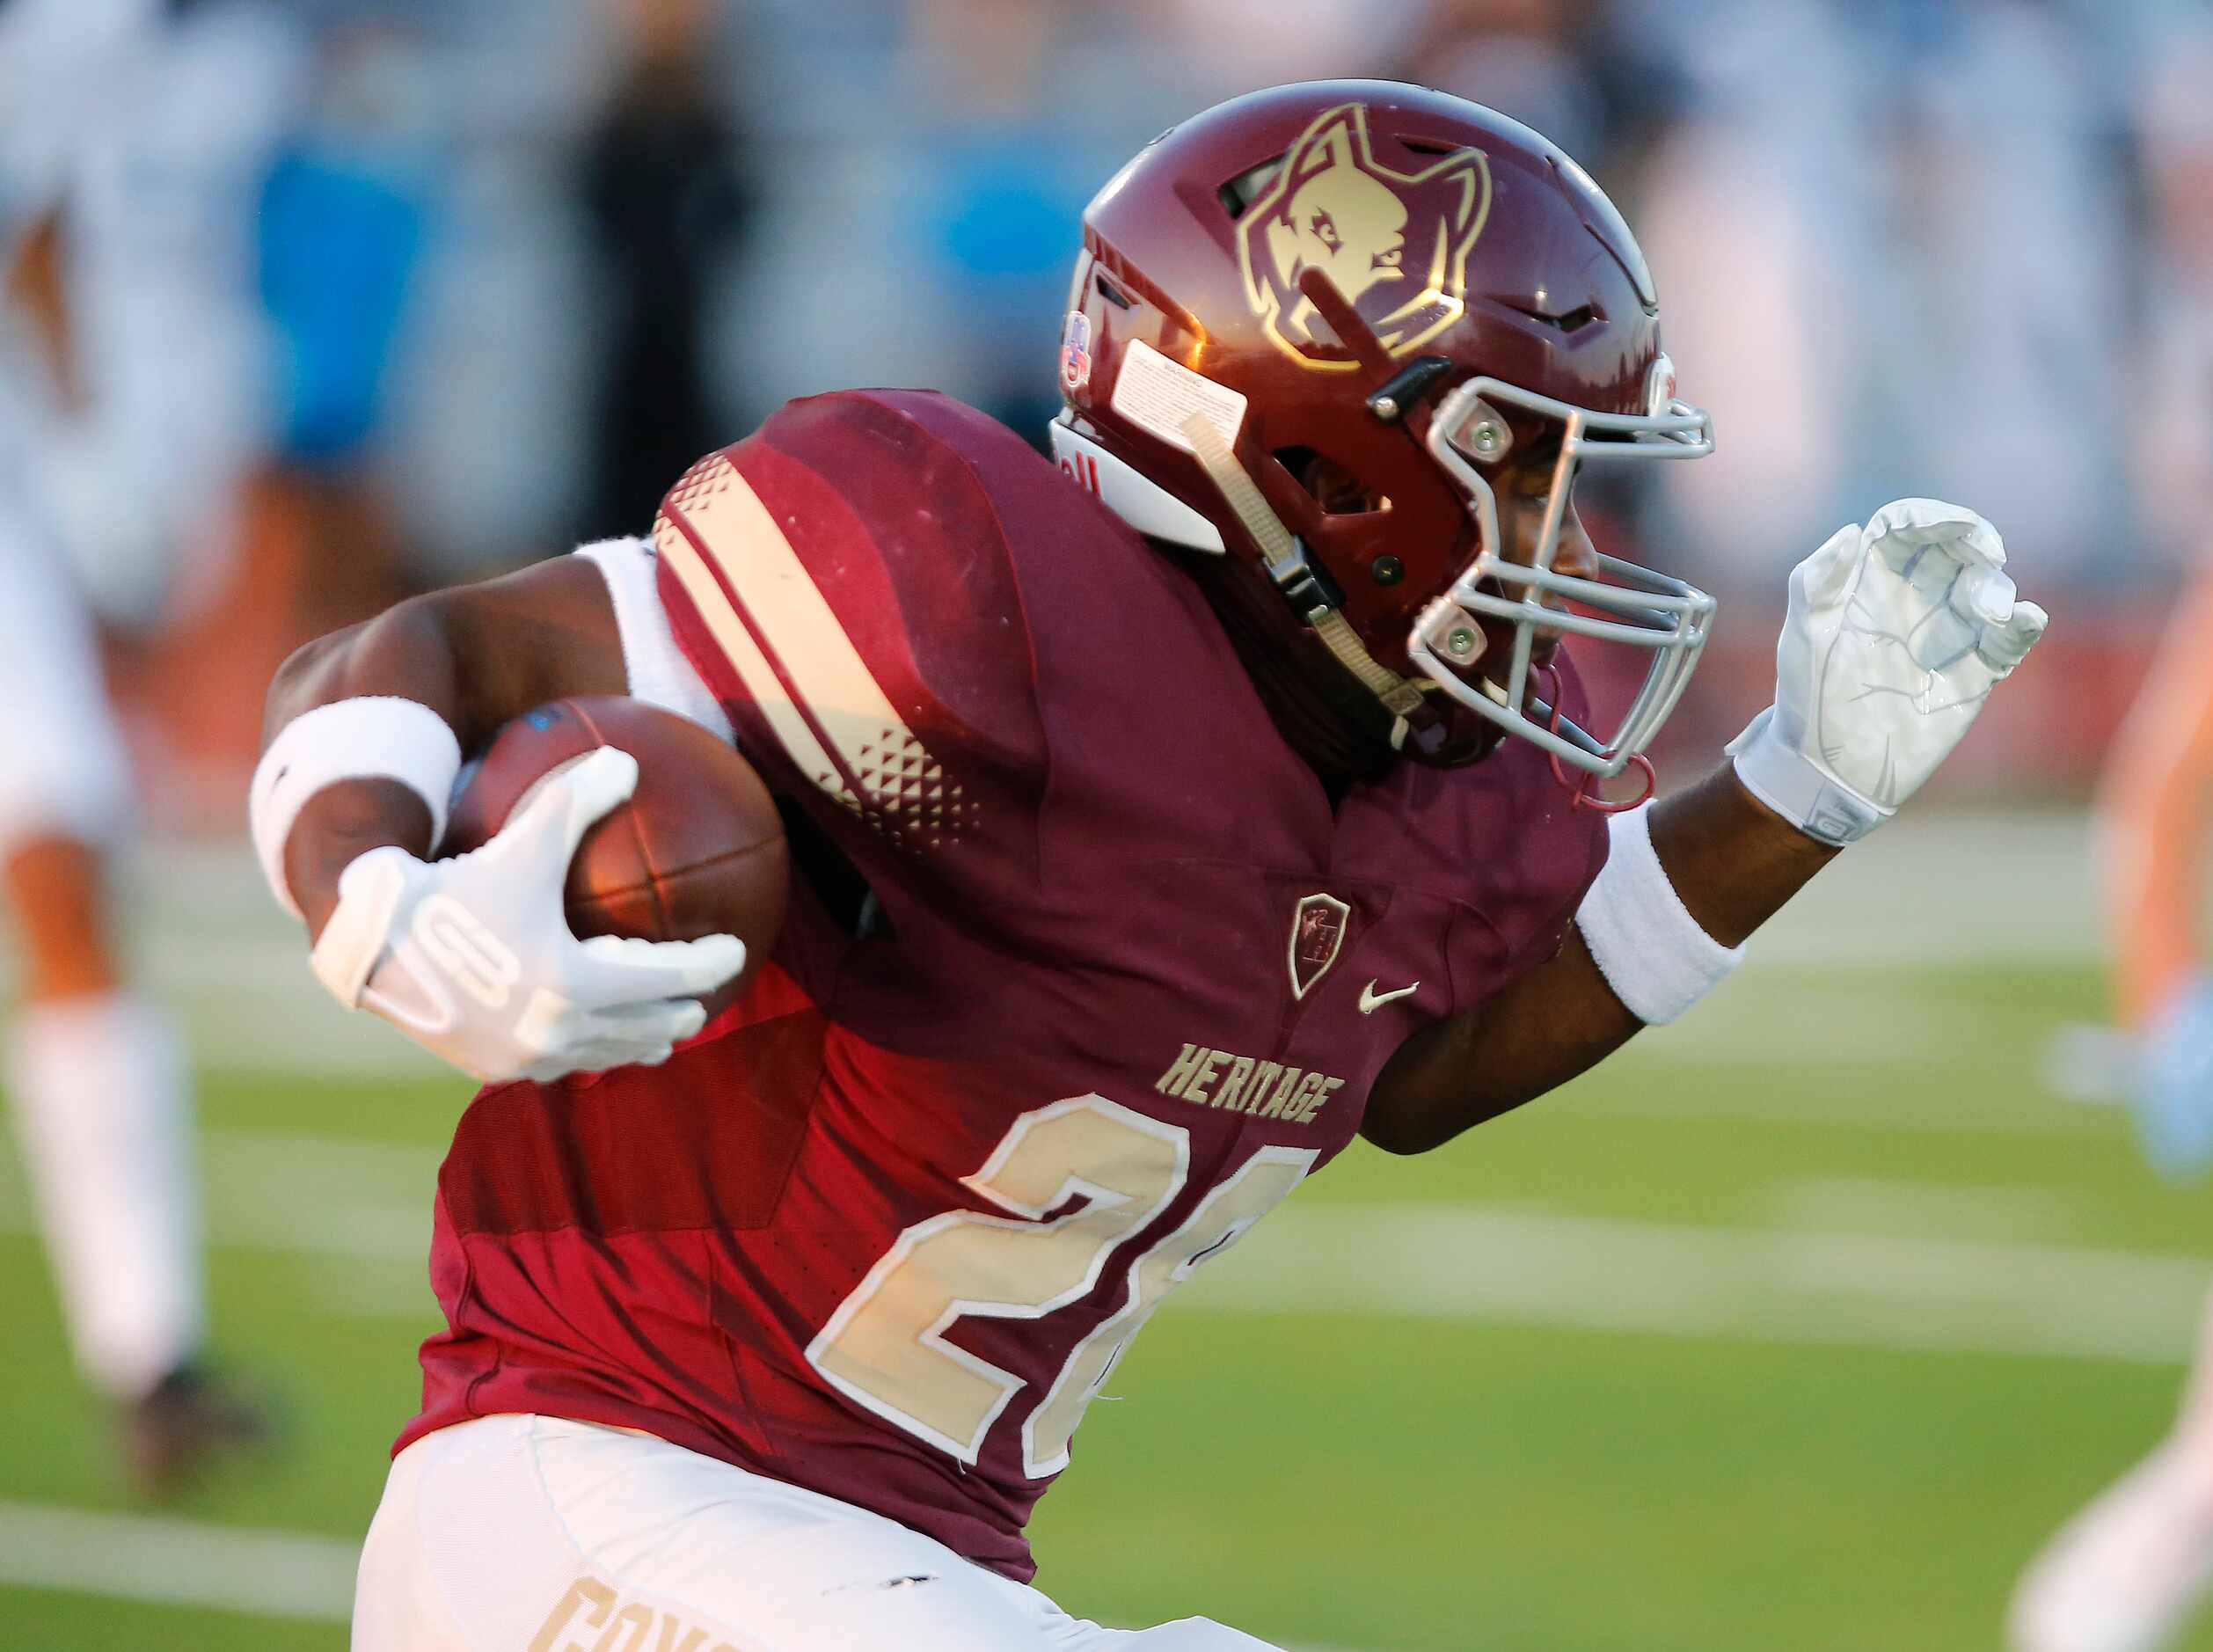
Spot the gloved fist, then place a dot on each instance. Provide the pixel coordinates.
(473, 958)
(1896, 633)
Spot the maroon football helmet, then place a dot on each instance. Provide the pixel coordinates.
(1407, 287)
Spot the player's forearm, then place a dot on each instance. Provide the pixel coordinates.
(1733, 862)
(407, 653)
(1543, 1028)
(477, 657)
(341, 823)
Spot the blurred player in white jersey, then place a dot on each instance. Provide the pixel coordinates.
(2127, 1573)
(132, 128)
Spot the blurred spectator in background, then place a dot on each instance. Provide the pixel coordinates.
(338, 202)
(1226, 46)
(485, 446)
(345, 213)
(666, 188)
(1525, 58)
(2171, 424)
(2005, 328)
(133, 134)
(991, 186)
(1760, 198)
(527, 257)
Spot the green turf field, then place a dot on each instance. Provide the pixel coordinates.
(1798, 1326)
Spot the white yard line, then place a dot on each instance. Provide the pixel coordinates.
(1796, 1016)
(345, 1168)
(173, 1562)
(322, 1195)
(1937, 884)
(1881, 1104)
(1949, 886)
(1859, 1262)
(1946, 886)
(312, 1196)
(1925, 1210)
(1458, 1263)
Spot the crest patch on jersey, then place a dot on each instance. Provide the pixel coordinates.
(1394, 244)
(1318, 934)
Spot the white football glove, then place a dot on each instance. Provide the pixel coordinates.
(1895, 634)
(473, 957)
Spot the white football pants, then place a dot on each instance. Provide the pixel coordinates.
(63, 768)
(2129, 1572)
(535, 1534)
(103, 1109)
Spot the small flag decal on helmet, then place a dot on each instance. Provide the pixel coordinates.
(1075, 352)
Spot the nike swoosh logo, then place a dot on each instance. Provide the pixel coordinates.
(1371, 1000)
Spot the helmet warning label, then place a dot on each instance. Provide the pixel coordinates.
(1158, 394)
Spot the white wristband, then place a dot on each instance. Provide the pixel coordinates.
(1782, 776)
(1650, 949)
(378, 737)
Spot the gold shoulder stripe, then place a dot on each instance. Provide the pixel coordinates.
(745, 656)
(722, 527)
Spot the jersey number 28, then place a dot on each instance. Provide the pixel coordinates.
(885, 1347)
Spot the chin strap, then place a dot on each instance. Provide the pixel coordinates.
(1582, 796)
(1579, 787)
(1303, 584)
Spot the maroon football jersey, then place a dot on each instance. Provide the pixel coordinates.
(1124, 978)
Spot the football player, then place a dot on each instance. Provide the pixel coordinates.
(1164, 820)
(120, 429)
(2129, 1572)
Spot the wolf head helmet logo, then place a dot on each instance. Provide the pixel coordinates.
(1395, 244)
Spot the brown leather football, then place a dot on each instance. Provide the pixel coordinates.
(697, 850)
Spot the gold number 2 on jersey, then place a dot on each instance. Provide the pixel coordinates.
(885, 1347)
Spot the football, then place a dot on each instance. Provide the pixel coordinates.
(697, 850)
